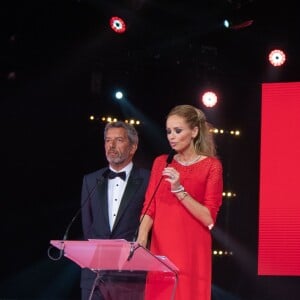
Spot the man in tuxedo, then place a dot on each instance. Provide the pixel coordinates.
(111, 201)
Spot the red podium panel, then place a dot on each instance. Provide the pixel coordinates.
(120, 255)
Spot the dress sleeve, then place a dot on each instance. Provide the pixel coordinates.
(154, 181)
(214, 189)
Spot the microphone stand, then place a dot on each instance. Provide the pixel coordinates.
(168, 161)
(61, 251)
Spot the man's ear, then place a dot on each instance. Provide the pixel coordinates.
(133, 149)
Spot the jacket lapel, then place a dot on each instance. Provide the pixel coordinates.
(103, 203)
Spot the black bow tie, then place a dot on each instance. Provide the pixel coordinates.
(111, 174)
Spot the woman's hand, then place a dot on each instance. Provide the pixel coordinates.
(173, 176)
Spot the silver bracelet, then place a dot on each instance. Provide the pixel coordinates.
(180, 189)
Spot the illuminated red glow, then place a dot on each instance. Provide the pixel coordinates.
(242, 25)
(117, 24)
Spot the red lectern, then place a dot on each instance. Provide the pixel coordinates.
(121, 255)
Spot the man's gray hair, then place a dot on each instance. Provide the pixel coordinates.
(130, 129)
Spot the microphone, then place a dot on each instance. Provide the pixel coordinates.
(168, 161)
(65, 236)
(170, 157)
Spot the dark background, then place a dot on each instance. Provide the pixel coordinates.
(60, 63)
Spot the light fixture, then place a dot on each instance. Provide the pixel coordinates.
(239, 15)
(117, 24)
(209, 99)
(237, 24)
(277, 57)
(119, 95)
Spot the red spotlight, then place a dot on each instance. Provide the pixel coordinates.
(209, 99)
(117, 24)
(277, 58)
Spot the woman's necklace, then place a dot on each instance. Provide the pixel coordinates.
(190, 162)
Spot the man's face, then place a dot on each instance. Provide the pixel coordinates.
(118, 150)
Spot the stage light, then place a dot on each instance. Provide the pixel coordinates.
(237, 24)
(226, 23)
(119, 95)
(209, 99)
(117, 24)
(277, 57)
(238, 16)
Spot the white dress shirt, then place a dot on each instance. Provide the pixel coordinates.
(116, 188)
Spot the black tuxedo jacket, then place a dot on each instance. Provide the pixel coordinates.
(94, 203)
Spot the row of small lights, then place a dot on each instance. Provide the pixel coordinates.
(111, 119)
(222, 253)
(229, 194)
(137, 122)
(222, 131)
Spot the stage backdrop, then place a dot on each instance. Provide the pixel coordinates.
(279, 206)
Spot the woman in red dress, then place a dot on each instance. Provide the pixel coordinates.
(181, 205)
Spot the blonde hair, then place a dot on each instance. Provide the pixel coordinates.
(204, 142)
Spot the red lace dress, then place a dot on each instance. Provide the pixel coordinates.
(177, 234)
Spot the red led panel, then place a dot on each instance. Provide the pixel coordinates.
(279, 197)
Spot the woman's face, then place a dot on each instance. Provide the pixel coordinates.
(179, 133)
